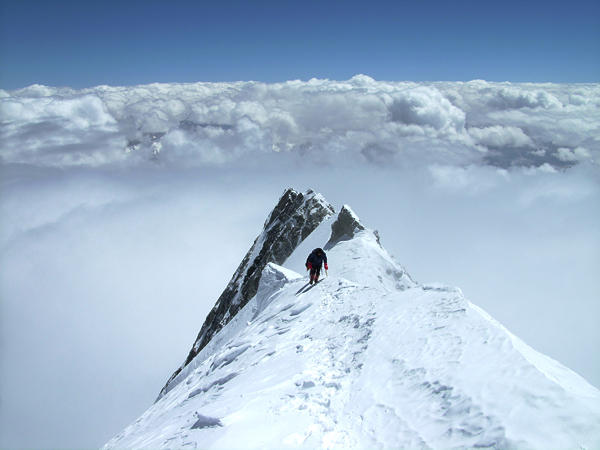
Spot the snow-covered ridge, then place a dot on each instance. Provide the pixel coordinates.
(293, 219)
(367, 358)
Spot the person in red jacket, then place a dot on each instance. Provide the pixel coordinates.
(314, 262)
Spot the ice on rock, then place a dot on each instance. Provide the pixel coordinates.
(366, 358)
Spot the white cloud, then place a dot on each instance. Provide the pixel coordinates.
(577, 154)
(426, 108)
(499, 136)
(226, 121)
(515, 98)
(546, 168)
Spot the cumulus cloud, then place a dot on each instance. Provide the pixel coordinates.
(514, 98)
(215, 123)
(499, 136)
(576, 154)
(426, 108)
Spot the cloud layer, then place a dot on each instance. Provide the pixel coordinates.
(356, 121)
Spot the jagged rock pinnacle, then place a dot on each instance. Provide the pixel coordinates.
(345, 226)
(291, 221)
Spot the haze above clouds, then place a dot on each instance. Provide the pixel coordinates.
(126, 211)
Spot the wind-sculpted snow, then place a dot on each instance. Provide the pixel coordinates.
(344, 365)
(366, 358)
(361, 120)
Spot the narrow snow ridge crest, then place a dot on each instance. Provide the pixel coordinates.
(273, 279)
(354, 252)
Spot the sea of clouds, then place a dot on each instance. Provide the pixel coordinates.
(352, 122)
(125, 211)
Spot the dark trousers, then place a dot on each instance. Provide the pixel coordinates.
(315, 272)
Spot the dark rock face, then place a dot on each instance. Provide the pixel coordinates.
(293, 219)
(345, 226)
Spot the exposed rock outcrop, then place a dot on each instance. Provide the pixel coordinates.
(291, 221)
(345, 226)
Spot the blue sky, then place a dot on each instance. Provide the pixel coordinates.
(88, 43)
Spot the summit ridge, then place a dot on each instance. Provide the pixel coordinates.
(294, 218)
(366, 358)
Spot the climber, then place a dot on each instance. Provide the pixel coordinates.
(315, 260)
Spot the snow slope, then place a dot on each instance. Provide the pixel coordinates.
(367, 359)
(294, 218)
